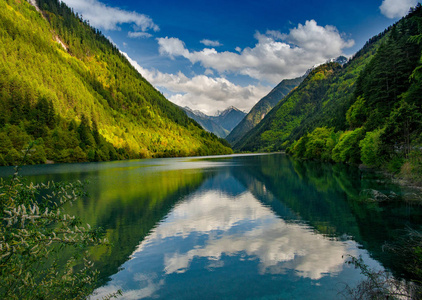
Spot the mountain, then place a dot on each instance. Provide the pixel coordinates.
(368, 110)
(261, 108)
(326, 92)
(206, 122)
(229, 118)
(221, 123)
(64, 85)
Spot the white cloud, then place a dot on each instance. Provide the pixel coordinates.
(216, 94)
(274, 57)
(396, 8)
(312, 37)
(102, 16)
(172, 47)
(211, 225)
(205, 93)
(276, 244)
(202, 92)
(211, 43)
(138, 34)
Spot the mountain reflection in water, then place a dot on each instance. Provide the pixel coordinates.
(235, 227)
(222, 232)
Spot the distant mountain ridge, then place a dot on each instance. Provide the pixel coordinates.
(221, 124)
(261, 108)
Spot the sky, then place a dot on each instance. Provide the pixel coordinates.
(210, 55)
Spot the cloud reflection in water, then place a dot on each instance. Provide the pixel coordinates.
(212, 225)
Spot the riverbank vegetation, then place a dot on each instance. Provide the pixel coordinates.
(383, 122)
(35, 231)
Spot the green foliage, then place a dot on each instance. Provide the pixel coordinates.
(34, 233)
(373, 107)
(325, 144)
(411, 169)
(370, 149)
(316, 145)
(347, 149)
(298, 149)
(261, 109)
(276, 128)
(63, 81)
(402, 127)
(321, 143)
(356, 115)
(386, 77)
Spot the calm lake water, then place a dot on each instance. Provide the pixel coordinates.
(236, 227)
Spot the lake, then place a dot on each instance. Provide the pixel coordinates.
(236, 227)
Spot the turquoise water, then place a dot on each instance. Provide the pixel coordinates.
(236, 227)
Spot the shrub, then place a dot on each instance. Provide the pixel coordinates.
(347, 149)
(34, 232)
(370, 146)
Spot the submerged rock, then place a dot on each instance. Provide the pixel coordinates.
(374, 195)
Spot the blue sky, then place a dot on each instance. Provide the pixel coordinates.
(210, 55)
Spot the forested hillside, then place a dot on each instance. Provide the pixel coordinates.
(325, 91)
(65, 86)
(368, 111)
(260, 109)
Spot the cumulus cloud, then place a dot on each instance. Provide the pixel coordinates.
(396, 8)
(138, 34)
(172, 47)
(205, 93)
(211, 43)
(102, 16)
(216, 94)
(202, 92)
(274, 57)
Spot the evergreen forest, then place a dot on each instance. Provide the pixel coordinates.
(67, 91)
(368, 111)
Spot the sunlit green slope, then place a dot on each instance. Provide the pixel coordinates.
(367, 111)
(260, 109)
(63, 83)
(326, 86)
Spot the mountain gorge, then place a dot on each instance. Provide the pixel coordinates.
(67, 87)
(221, 124)
(260, 109)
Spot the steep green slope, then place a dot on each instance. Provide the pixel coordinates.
(260, 110)
(63, 83)
(322, 97)
(368, 111)
(383, 120)
(276, 127)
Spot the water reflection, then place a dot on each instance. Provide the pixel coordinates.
(231, 226)
(258, 226)
(222, 229)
